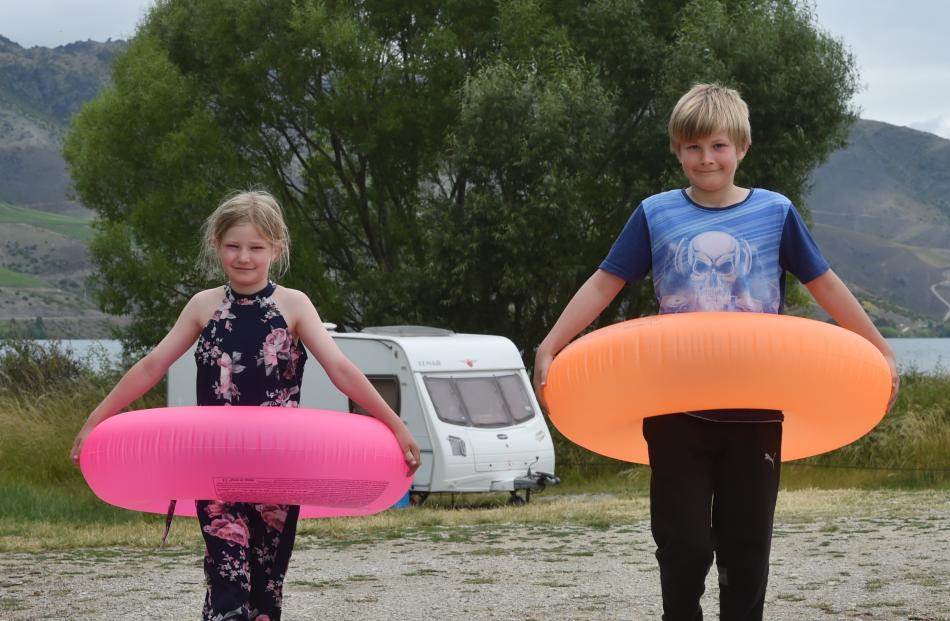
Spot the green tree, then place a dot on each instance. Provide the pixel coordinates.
(457, 163)
(38, 329)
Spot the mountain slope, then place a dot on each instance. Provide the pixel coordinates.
(44, 259)
(881, 212)
(880, 207)
(40, 90)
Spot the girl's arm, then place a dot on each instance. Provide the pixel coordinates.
(346, 376)
(835, 297)
(589, 301)
(148, 371)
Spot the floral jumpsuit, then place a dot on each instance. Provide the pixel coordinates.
(247, 356)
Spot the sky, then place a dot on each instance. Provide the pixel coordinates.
(899, 46)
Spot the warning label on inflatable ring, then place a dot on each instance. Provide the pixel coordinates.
(343, 493)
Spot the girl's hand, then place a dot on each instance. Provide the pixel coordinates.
(410, 449)
(77, 445)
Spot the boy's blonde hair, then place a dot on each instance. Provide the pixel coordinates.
(706, 109)
(256, 207)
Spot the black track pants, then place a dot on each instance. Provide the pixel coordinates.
(712, 492)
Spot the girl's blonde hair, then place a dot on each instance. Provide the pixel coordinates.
(255, 207)
(706, 109)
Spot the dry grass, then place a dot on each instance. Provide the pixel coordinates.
(47, 506)
(599, 512)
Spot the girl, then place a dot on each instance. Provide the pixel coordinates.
(251, 335)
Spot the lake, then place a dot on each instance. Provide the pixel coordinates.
(926, 355)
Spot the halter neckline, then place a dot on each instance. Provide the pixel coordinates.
(266, 292)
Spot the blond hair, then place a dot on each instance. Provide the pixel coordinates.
(255, 207)
(706, 109)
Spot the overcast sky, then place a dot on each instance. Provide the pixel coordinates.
(899, 45)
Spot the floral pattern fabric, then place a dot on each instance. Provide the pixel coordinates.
(248, 548)
(247, 356)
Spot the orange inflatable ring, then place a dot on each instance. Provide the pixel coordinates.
(831, 384)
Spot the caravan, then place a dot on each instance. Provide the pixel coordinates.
(466, 398)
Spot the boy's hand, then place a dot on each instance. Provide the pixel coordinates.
(895, 381)
(542, 362)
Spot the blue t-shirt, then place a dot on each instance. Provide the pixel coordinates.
(717, 259)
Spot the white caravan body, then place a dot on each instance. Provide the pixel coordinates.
(466, 398)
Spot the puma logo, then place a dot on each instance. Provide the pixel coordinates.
(771, 459)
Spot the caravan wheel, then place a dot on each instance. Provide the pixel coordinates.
(417, 498)
(514, 500)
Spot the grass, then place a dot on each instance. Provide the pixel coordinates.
(68, 226)
(902, 466)
(9, 278)
(559, 513)
(910, 448)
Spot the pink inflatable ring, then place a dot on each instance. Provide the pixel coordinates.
(330, 463)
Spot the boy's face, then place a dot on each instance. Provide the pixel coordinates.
(710, 163)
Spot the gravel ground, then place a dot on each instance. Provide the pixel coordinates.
(844, 568)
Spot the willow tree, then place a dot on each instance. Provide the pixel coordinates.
(462, 163)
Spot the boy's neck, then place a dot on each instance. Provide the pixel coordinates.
(721, 198)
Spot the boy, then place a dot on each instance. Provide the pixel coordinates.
(713, 247)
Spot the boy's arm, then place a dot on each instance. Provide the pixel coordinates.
(833, 296)
(589, 301)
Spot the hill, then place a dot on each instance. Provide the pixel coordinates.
(44, 266)
(880, 207)
(44, 261)
(881, 212)
(40, 90)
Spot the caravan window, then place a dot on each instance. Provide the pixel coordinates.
(447, 402)
(491, 401)
(388, 388)
(483, 401)
(517, 397)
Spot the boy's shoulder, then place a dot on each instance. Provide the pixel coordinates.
(757, 196)
(770, 196)
(665, 198)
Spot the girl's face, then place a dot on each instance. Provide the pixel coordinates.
(246, 257)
